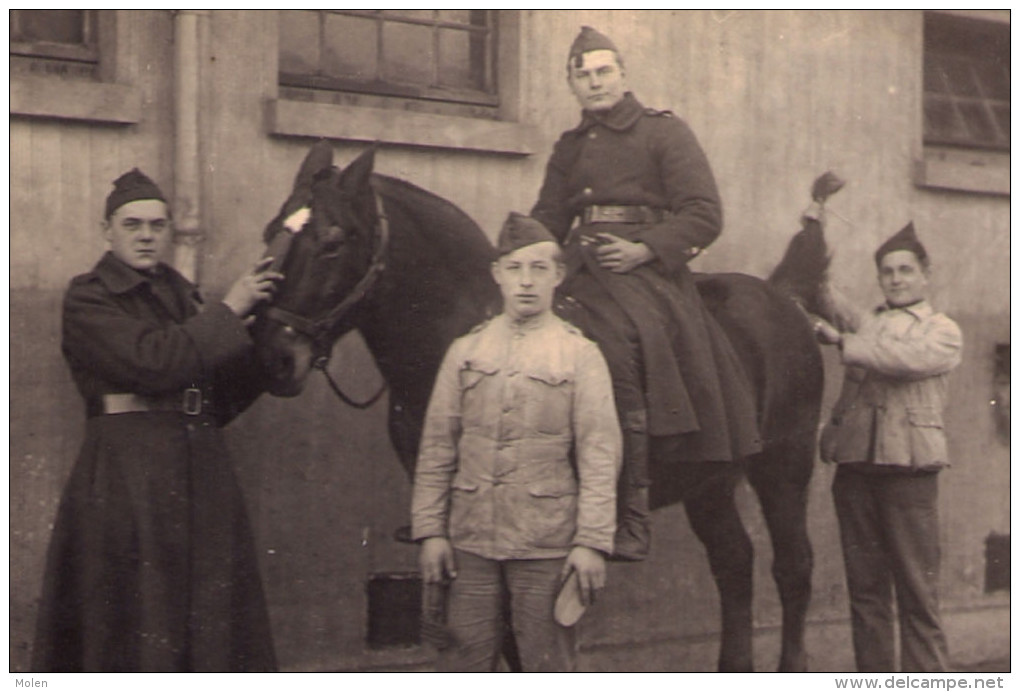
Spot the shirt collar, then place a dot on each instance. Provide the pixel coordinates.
(120, 278)
(531, 324)
(620, 117)
(920, 310)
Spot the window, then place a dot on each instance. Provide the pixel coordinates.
(966, 82)
(964, 132)
(61, 41)
(443, 79)
(432, 55)
(69, 64)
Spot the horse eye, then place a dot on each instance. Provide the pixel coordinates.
(333, 240)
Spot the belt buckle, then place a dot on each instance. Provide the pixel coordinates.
(614, 213)
(191, 403)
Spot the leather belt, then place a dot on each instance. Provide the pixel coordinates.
(620, 213)
(190, 402)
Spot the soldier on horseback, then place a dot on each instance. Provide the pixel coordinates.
(642, 192)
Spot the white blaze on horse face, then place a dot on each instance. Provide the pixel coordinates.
(296, 221)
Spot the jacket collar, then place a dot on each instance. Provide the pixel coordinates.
(620, 117)
(920, 310)
(120, 278)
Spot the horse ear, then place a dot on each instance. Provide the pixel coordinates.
(319, 157)
(356, 176)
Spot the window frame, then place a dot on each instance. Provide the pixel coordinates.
(85, 52)
(107, 95)
(381, 86)
(957, 167)
(966, 55)
(401, 121)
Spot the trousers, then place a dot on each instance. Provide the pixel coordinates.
(889, 530)
(475, 615)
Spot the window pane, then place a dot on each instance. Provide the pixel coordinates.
(459, 16)
(457, 68)
(1001, 113)
(960, 76)
(56, 26)
(934, 74)
(995, 81)
(414, 14)
(941, 121)
(299, 42)
(352, 47)
(979, 122)
(408, 53)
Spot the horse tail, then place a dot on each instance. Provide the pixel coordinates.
(803, 273)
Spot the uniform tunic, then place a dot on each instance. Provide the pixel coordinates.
(890, 411)
(494, 473)
(692, 380)
(152, 563)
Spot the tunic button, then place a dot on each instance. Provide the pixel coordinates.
(592, 134)
(588, 191)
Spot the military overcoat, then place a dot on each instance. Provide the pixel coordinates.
(152, 564)
(635, 156)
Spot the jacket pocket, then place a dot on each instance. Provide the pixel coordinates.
(552, 488)
(472, 372)
(550, 401)
(927, 438)
(475, 394)
(466, 514)
(551, 514)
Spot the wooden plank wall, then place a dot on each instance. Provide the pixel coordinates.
(775, 97)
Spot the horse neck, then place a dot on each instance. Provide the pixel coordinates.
(427, 296)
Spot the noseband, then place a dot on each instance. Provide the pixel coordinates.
(318, 331)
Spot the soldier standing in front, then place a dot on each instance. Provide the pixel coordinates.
(514, 490)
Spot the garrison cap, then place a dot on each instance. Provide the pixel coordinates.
(131, 186)
(589, 40)
(520, 231)
(905, 239)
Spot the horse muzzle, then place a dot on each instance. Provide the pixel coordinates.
(286, 356)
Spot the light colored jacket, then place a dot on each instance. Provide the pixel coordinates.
(890, 412)
(510, 408)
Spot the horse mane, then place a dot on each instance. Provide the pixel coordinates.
(444, 225)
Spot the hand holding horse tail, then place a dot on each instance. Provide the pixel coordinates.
(252, 288)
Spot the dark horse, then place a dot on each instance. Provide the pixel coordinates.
(410, 271)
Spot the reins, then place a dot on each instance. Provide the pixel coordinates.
(319, 330)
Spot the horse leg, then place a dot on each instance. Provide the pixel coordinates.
(780, 478)
(712, 511)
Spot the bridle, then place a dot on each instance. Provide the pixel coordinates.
(318, 331)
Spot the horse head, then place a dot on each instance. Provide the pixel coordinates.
(328, 240)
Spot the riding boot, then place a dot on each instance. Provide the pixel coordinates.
(633, 524)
